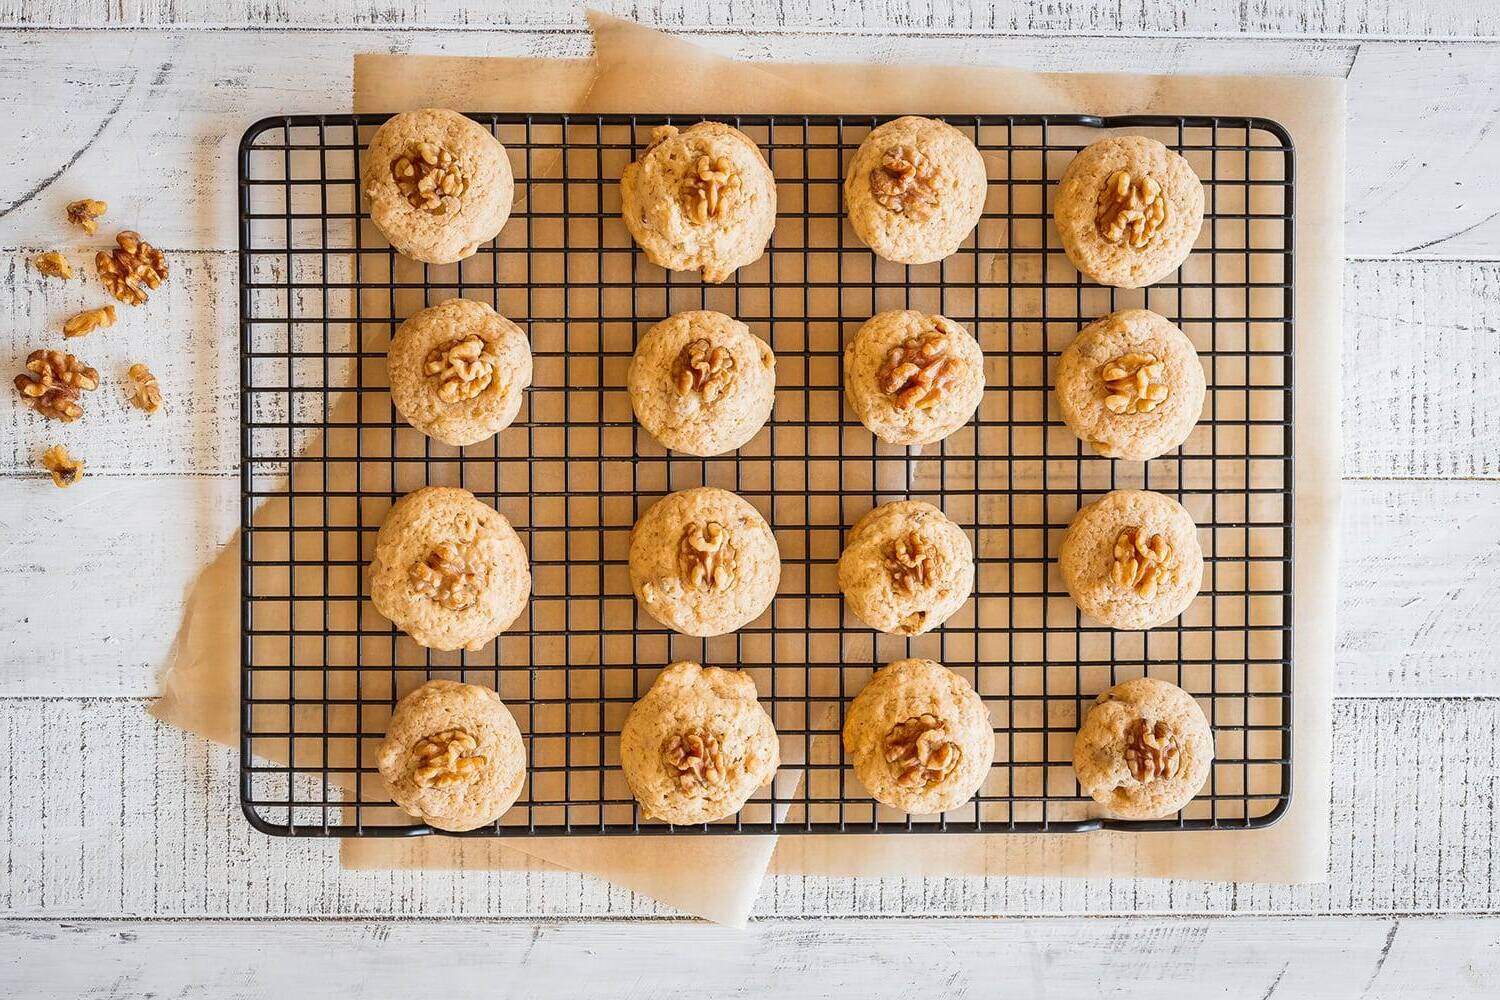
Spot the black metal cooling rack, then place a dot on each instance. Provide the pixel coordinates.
(324, 456)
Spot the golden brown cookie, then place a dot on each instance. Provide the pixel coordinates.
(919, 737)
(1144, 750)
(1131, 559)
(698, 744)
(913, 378)
(453, 756)
(439, 184)
(906, 568)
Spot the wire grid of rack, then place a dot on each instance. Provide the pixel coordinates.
(324, 456)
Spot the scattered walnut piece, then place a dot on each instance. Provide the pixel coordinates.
(1135, 383)
(1142, 563)
(708, 188)
(917, 372)
(86, 322)
(65, 469)
(131, 268)
(920, 752)
(696, 758)
(705, 556)
(430, 178)
(85, 213)
(53, 265)
(446, 759)
(909, 561)
(452, 575)
(1131, 210)
(703, 368)
(463, 368)
(904, 182)
(1152, 751)
(146, 391)
(53, 382)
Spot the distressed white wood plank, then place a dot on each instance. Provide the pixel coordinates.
(1414, 830)
(1350, 18)
(1376, 958)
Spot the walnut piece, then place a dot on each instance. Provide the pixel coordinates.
(447, 758)
(131, 268)
(708, 188)
(695, 757)
(703, 368)
(53, 265)
(430, 178)
(1135, 383)
(146, 391)
(917, 372)
(909, 561)
(920, 752)
(1152, 751)
(65, 469)
(904, 182)
(452, 575)
(53, 382)
(86, 322)
(1142, 563)
(85, 213)
(1131, 211)
(705, 556)
(463, 368)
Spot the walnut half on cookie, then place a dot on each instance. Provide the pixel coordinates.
(1131, 559)
(906, 568)
(913, 378)
(1144, 749)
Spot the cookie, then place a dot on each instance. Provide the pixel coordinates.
(919, 737)
(915, 190)
(913, 378)
(1128, 210)
(1131, 559)
(700, 199)
(1144, 750)
(702, 383)
(439, 184)
(448, 570)
(704, 562)
(1130, 385)
(906, 568)
(452, 756)
(697, 745)
(459, 371)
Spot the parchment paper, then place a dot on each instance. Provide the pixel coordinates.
(641, 70)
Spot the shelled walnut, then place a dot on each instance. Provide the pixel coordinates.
(1131, 210)
(918, 372)
(53, 265)
(904, 182)
(146, 391)
(131, 268)
(920, 752)
(696, 758)
(705, 556)
(452, 575)
(86, 322)
(64, 468)
(463, 368)
(1134, 383)
(1142, 563)
(1152, 751)
(85, 214)
(430, 178)
(447, 758)
(703, 368)
(707, 189)
(909, 562)
(53, 383)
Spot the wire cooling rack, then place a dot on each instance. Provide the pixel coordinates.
(324, 457)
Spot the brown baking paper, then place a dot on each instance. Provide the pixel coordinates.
(641, 70)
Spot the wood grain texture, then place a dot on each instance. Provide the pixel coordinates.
(1376, 958)
(81, 780)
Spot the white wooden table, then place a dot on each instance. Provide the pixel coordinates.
(126, 868)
